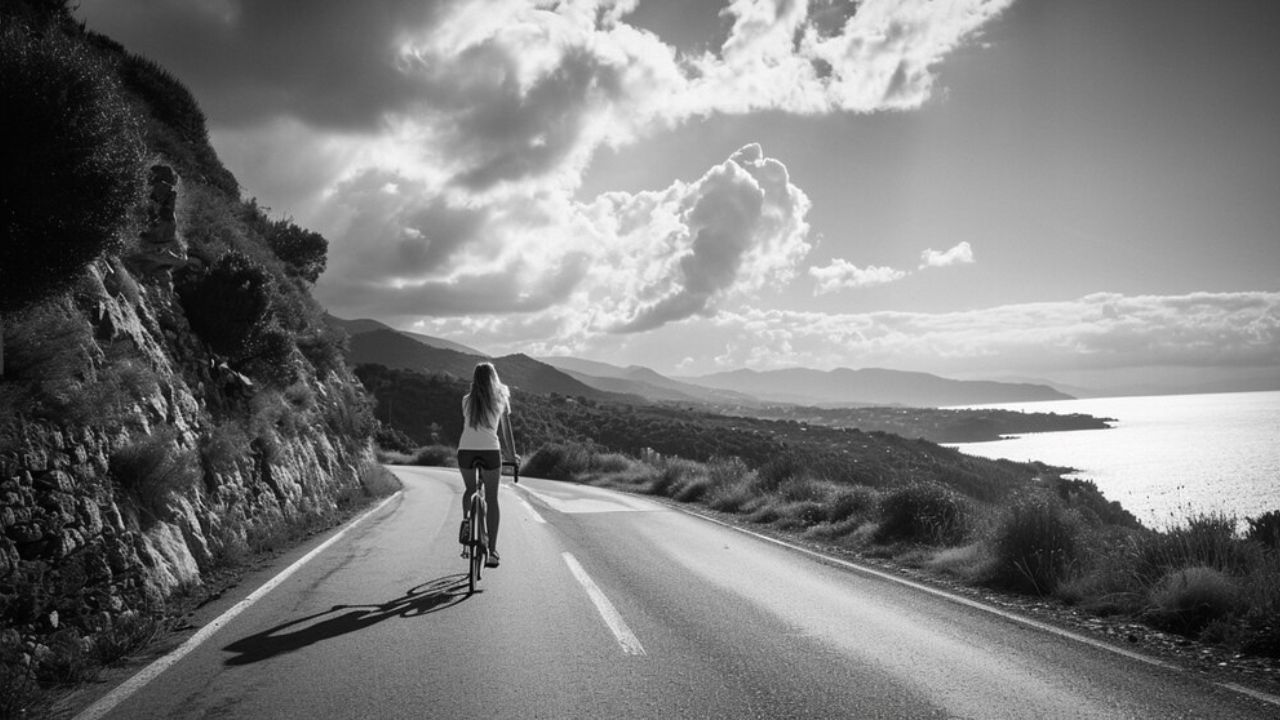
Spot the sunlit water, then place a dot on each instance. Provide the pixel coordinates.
(1167, 457)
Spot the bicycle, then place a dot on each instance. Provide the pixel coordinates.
(475, 540)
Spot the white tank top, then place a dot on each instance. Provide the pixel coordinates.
(481, 437)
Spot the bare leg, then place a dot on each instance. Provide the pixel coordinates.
(468, 482)
(490, 479)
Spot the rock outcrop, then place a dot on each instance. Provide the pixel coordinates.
(158, 461)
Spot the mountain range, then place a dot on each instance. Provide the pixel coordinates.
(375, 342)
(872, 386)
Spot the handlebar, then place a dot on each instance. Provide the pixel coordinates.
(515, 469)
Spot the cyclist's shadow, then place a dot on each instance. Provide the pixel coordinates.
(429, 597)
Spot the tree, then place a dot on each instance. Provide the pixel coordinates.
(72, 164)
(303, 251)
(228, 305)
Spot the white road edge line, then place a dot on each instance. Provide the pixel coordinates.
(1045, 627)
(536, 517)
(627, 639)
(109, 701)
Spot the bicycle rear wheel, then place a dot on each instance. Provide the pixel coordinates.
(477, 544)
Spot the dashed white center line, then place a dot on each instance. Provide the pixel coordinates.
(626, 638)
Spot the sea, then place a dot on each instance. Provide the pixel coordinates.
(1166, 458)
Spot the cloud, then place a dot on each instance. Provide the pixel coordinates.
(841, 274)
(738, 227)
(961, 254)
(621, 263)
(439, 145)
(1099, 331)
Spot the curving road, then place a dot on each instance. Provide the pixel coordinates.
(611, 606)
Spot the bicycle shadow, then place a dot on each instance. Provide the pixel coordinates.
(429, 597)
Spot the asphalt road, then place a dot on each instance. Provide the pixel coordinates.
(612, 606)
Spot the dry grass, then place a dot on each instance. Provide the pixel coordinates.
(1199, 578)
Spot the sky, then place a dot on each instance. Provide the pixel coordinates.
(1084, 192)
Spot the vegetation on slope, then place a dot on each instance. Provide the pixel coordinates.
(197, 387)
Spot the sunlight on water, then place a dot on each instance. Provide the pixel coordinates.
(1167, 456)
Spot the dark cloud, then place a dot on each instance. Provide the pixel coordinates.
(397, 230)
(510, 134)
(331, 63)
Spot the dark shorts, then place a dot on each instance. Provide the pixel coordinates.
(490, 459)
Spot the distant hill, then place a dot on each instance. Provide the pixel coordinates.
(638, 380)
(394, 349)
(365, 325)
(871, 386)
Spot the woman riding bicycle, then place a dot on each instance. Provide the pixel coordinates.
(483, 412)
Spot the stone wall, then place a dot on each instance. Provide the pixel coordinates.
(181, 464)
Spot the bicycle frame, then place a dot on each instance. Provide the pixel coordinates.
(477, 543)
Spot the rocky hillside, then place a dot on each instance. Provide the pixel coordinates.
(170, 401)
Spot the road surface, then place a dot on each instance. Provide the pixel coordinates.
(612, 606)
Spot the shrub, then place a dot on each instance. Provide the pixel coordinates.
(436, 456)
(557, 462)
(730, 484)
(268, 356)
(303, 251)
(1265, 529)
(228, 305)
(922, 512)
(19, 691)
(1186, 600)
(47, 361)
(1207, 539)
(1036, 545)
(71, 164)
(378, 481)
(126, 633)
(850, 502)
(68, 660)
(772, 474)
(675, 475)
(223, 447)
(152, 469)
(392, 439)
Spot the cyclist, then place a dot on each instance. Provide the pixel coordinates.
(484, 409)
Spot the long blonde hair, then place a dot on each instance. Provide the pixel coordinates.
(487, 397)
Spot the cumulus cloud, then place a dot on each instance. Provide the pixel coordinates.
(740, 226)
(959, 255)
(840, 274)
(438, 145)
(621, 263)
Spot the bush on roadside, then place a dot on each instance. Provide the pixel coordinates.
(557, 462)
(676, 476)
(729, 484)
(436, 456)
(1188, 599)
(1265, 529)
(923, 512)
(1207, 539)
(1036, 546)
(857, 501)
